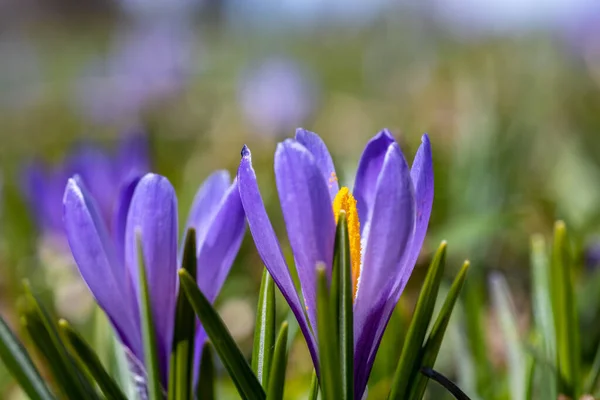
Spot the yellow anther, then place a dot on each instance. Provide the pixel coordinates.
(345, 201)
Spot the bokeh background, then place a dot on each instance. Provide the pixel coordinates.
(509, 92)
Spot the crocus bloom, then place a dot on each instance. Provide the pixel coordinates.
(105, 175)
(388, 213)
(109, 266)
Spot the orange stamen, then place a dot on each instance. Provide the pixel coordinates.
(346, 202)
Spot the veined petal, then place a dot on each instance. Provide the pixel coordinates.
(422, 177)
(387, 242)
(153, 215)
(221, 243)
(207, 202)
(308, 214)
(315, 145)
(267, 245)
(369, 168)
(97, 262)
(421, 174)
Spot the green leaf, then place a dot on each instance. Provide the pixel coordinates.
(264, 331)
(206, 381)
(244, 379)
(155, 391)
(71, 380)
(182, 351)
(342, 295)
(409, 364)
(90, 361)
(516, 356)
(19, 364)
(277, 377)
(432, 346)
(313, 392)
(565, 315)
(530, 379)
(331, 379)
(543, 317)
(591, 381)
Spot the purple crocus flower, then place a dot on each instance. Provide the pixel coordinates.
(104, 174)
(388, 214)
(109, 265)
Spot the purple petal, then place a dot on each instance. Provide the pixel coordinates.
(369, 168)
(119, 221)
(98, 172)
(422, 177)
(317, 148)
(267, 245)
(207, 202)
(308, 214)
(388, 235)
(221, 243)
(98, 265)
(153, 215)
(364, 345)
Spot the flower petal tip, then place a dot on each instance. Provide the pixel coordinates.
(73, 187)
(301, 132)
(386, 133)
(425, 139)
(245, 153)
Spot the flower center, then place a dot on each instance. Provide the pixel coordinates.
(346, 202)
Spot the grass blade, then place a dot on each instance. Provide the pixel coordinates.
(182, 351)
(408, 366)
(331, 379)
(543, 317)
(89, 360)
(264, 331)
(277, 378)
(19, 364)
(475, 314)
(148, 333)
(342, 293)
(432, 346)
(313, 392)
(71, 380)
(206, 381)
(516, 356)
(244, 379)
(565, 316)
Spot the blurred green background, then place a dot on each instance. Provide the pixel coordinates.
(512, 108)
